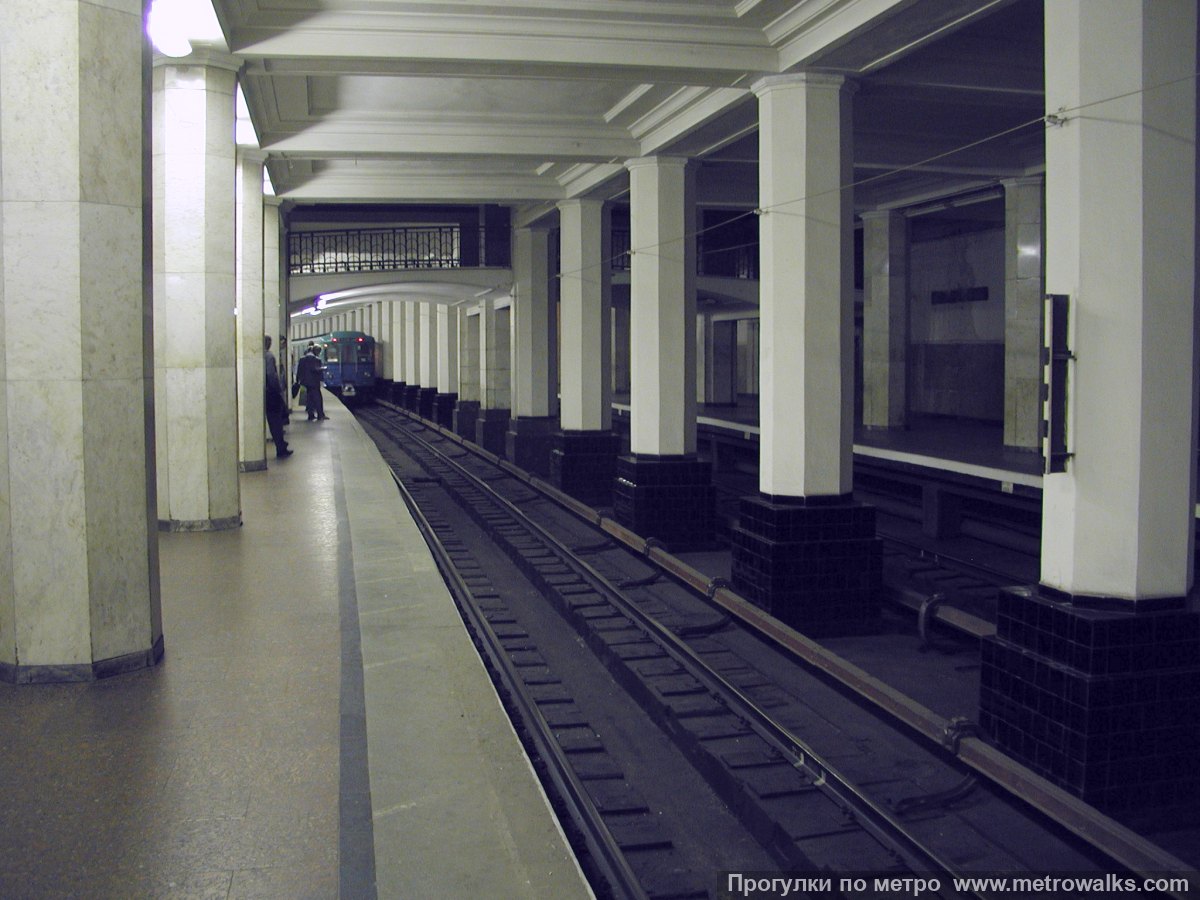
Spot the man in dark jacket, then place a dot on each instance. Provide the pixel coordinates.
(274, 403)
(308, 373)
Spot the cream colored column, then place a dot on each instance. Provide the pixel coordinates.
(397, 339)
(412, 343)
(427, 370)
(275, 321)
(1023, 198)
(495, 374)
(806, 399)
(662, 308)
(584, 311)
(447, 348)
(79, 591)
(250, 311)
(885, 319)
(1120, 236)
(195, 375)
(469, 366)
(530, 352)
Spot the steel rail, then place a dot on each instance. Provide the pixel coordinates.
(1120, 843)
(601, 844)
(871, 816)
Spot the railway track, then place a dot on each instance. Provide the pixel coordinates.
(799, 771)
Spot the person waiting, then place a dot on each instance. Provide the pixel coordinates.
(309, 373)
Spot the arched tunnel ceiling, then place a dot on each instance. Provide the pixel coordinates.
(532, 101)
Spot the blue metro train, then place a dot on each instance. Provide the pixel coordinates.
(349, 360)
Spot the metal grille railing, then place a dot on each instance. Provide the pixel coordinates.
(376, 250)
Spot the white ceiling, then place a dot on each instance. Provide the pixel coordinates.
(531, 101)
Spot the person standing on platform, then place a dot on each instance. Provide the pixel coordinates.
(274, 403)
(309, 374)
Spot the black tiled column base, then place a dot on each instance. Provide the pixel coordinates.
(465, 414)
(584, 464)
(813, 563)
(443, 409)
(670, 498)
(1103, 703)
(412, 397)
(491, 429)
(527, 442)
(425, 401)
(396, 395)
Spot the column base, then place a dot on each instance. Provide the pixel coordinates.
(425, 401)
(670, 498)
(396, 394)
(412, 397)
(252, 465)
(223, 524)
(813, 563)
(465, 414)
(491, 429)
(583, 464)
(1104, 703)
(75, 672)
(527, 442)
(443, 409)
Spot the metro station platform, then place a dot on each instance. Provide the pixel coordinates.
(320, 725)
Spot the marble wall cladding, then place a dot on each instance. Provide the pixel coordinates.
(224, 494)
(110, 296)
(32, 79)
(219, 322)
(110, 105)
(49, 525)
(183, 445)
(8, 636)
(114, 461)
(41, 277)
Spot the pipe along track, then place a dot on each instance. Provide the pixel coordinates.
(804, 809)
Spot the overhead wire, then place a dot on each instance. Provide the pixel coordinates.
(1049, 120)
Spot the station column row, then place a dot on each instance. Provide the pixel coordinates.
(79, 584)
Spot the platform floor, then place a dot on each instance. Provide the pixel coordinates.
(320, 725)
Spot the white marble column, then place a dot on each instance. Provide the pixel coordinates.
(412, 343)
(398, 339)
(250, 313)
(468, 359)
(447, 348)
(1023, 199)
(531, 324)
(1121, 243)
(584, 311)
(275, 319)
(495, 374)
(885, 319)
(79, 591)
(806, 289)
(428, 324)
(662, 308)
(195, 375)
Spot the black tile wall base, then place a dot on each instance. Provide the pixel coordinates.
(813, 563)
(443, 409)
(491, 429)
(412, 397)
(669, 498)
(1103, 703)
(465, 414)
(583, 464)
(425, 401)
(527, 442)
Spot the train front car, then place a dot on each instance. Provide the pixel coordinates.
(349, 358)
